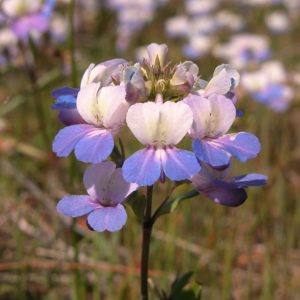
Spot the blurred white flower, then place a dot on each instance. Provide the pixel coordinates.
(198, 45)
(7, 38)
(58, 28)
(277, 22)
(268, 85)
(177, 26)
(227, 19)
(243, 49)
(200, 7)
(14, 8)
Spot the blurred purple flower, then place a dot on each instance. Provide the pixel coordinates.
(28, 19)
(268, 85)
(276, 96)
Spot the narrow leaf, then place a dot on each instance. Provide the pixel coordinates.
(171, 204)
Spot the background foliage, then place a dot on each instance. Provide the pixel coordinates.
(250, 252)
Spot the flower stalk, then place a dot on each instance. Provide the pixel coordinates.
(147, 230)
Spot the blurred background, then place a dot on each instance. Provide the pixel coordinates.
(249, 252)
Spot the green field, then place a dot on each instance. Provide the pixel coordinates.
(249, 252)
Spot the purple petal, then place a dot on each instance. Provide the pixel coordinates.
(268, 94)
(143, 167)
(108, 218)
(68, 137)
(250, 180)
(240, 182)
(48, 7)
(76, 206)
(227, 197)
(64, 102)
(64, 91)
(210, 154)
(279, 104)
(114, 63)
(179, 164)
(118, 189)
(70, 117)
(239, 113)
(95, 146)
(23, 26)
(97, 177)
(232, 96)
(241, 145)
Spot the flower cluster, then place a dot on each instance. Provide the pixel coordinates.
(24, 21)
(132, 16)
(264, 79)
(209, 29)
(268, 85)
(28, 17)
(161, 104)
(200, 24)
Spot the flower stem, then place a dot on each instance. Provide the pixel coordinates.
(72, 43)
(30, 67)
(147, 230)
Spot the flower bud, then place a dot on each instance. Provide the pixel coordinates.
(157, 52)
(135, 85)
(184, 77)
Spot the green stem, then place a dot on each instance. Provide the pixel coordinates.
(72, 169)
(77, 284)
(147, 230)
(78, 295)
(32, 75)
(72, 43)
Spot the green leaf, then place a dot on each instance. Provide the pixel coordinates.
(180, 283)
(197, 290)
(170, 205)
(137, 203)
(182, 288)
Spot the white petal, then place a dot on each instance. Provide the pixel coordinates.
(86, 76)
(223, 113)
(112, 106)
(96, 179)
(175, 121)
(87, 103)
(201, 109)
(14, 8)
(183, 70)
(157, 51)
(142, 119)
(98, 74)
(212, 117)
(232, 72)
(219, 84)
(102, 72)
